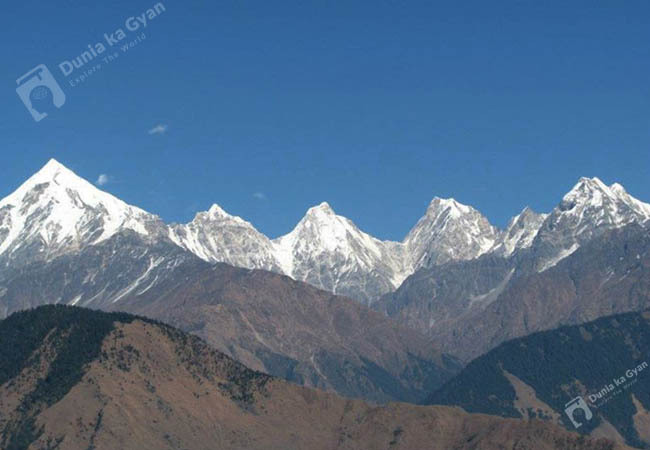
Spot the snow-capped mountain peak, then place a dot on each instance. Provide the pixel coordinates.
(593, 201)
(330, 251)
(448, 206)
(323, 210)
(217, 211)
(641, 208)
(55, 174)
(328, 231)
(55, 211)
(588, 192)
(449, 231)
(53, 168)
(586, 211)
(217, 236)
(322, 230)
(618, 189)
(520, 233)
(594, 193)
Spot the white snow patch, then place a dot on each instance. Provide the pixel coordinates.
(560, 256)
(490, 296)
(74, 301)
(153, 263)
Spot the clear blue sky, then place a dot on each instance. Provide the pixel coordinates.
(374, 106)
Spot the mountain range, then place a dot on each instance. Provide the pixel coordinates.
(455, 288)
(55, 212)
(264, 319)
(470, 307)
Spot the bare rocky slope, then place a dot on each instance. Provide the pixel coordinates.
(72, 378)
(291, 329)
(55, 212)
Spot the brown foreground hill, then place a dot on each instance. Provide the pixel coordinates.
(72, 378)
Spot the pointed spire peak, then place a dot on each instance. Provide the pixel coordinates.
(217, 214)
(585, 183)
(592, 191)
(527, 215)
(217, 211)
(322, 209)
(530, 212)
(439, 205)
(55, 173)
(618, 189)
(526, 212)
(444, 201)
(53, 164)
(52, 168)
(586, 189)
(55, 198)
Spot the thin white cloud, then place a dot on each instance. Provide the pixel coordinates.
(103, 180)
(259, 195)
(158, 129)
